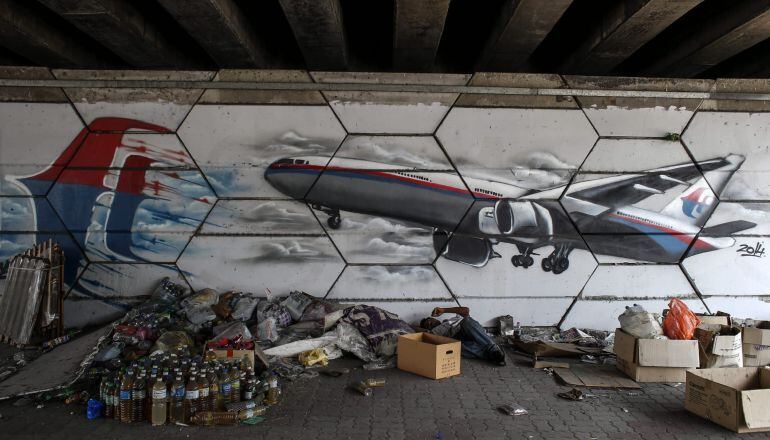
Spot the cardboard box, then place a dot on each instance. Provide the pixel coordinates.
(736, 398)
(234, 355)
(720, 346)
(757, 335)
(756, 355)
(655, 360)
(429, 355)
(714, 319)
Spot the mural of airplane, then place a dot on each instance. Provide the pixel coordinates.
(528, 218)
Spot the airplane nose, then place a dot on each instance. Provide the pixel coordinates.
(287, 179)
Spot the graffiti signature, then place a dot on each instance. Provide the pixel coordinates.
(746, 250)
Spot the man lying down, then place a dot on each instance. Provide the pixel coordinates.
(476, 343)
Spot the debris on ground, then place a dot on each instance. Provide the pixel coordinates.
(573, 394)
(512, 410)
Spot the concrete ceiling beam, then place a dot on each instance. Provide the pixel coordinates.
(222, 30)
(522, 26)
(121, 27)
(27, 34)
(318, 28)
(418, 26)
(729, 31)
(625, 27)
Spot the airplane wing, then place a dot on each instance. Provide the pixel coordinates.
(623, 190)
(727, 229)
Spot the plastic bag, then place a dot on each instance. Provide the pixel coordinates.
(170, 341)
(296, 303)
(267, 330)
(639, 323)
(681, 322)
(245, 306)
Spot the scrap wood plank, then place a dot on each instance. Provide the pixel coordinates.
(594, 377)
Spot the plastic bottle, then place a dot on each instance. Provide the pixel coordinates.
(213, 390)
(250, 385)
(191, 399)
(235, 385)
(225, 388)
(109, 394)
(176, 410)
(273, 392)
(159, 395)
(138, 395)
(126, 401)
(203, 392)
(210, 418)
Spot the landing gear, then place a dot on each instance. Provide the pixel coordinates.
(558, 261)
(335, 219)
(524, 259)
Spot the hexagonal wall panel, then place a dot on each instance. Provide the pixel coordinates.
(647, 209)
(165, 107)
(634, 116)
(36, 142)
(516, 152)
(637, 281)
(389, 112)
(733, 147)
(539, 255)
(253, 264)
(235, 146)
(105, 292)
(261, 217)
(411, 292)
(736, 263)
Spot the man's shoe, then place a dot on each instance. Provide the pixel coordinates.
(497, 356)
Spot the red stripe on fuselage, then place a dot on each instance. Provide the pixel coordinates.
(681, 236)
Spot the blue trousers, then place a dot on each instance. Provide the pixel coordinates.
(476, 343)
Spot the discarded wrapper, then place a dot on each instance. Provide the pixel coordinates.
(512, 410)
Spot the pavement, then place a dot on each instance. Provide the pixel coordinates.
(413, 407)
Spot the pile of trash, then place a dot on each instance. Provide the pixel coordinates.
(218, 359)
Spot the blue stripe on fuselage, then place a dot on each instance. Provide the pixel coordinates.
(668, 242)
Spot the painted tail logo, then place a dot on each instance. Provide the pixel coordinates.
(694, 203)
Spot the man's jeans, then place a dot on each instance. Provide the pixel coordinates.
(476, 343)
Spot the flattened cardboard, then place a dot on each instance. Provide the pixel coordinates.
(758, 335)
(428, 355)
(736, 398)
(594, 376)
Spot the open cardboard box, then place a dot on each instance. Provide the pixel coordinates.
(429, 355)
(720, 346)
(655, 360)
(736, 398)
(756, 345)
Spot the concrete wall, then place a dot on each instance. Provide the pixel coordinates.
(442, 197)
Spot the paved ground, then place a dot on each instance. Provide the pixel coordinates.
(411, 407)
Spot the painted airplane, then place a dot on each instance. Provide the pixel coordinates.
(529, 218)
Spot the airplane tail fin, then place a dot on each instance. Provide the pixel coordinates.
(693, 206)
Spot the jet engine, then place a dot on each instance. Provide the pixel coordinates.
(516, 218)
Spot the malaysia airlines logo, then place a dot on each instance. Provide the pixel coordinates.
(696, 202)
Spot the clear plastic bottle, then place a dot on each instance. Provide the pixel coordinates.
(138, 396)
(126, 401)
(176, 409)
(213, 390)
(235, 385)
(225, 388)
(273, 392)
(249, 390)
(159, 397)
(203, 392)
(191, 399)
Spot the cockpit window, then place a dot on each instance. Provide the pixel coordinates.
(300, 161)
(280, 161)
